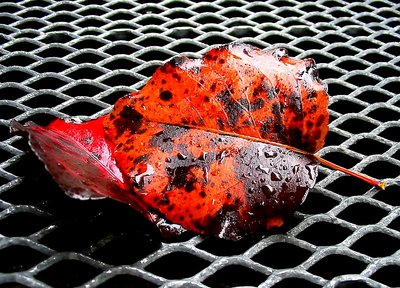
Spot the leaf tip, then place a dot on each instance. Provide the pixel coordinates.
(382, 185)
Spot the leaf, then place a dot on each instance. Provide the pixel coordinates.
(221, 145)
(79, 158)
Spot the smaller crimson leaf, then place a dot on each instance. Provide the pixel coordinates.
(78, 171)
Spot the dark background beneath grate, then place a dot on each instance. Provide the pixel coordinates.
(76, 58)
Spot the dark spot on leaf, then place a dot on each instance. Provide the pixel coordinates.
(212, 87)
(177, 77)
(130, 120)
(166, 95)
(295, 103)
(232, 108)
(141, 158)
(257, 104)
(320, 120)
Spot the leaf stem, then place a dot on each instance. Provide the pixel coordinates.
(370, 180)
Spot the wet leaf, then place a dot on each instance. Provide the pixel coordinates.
(206, 144)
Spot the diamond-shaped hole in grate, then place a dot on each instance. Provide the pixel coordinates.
(235, 275)
(3, 181)
(345, 106)
(356, 126)
(48, 82)
(368, 147)
(392, 86)
(324, 233)
(19, 258)
(148, 71)
(389, 195)
(14, 76)
(51, 66)
(67, 273)
(24, 45)
(395, 224)
(222, 247)
(114, 96)
(83, 90)
(372, 96)
(282, 255)
(126, 281)
(88, 44)
(4, 132)
(18, 60)
(86, 57)
(385, 72)
(362, 214)
(384, 114)
(12, 93)
(58, 52)
(362, 80)
(388, 275)
(81, 108)
(9, 112)
(22, 224)
(341, 159)
(185, 265)
(120, 80)
(334, 138)
(85, 73)
(376, 57)
(317, 203)
(5, 155)
(352, 65)
(348, 186)
(391, 133)
(382, 170)
(44, 100)
(120, 49)
(295, 282)
(376, 244)
(326, 73)
(121, 63)
(335, 264)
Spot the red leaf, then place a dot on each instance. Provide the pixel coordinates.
(220, 145)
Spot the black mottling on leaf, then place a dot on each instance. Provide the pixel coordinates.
(141, 158)
(166, 95)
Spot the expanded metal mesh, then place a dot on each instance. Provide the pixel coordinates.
(63, 58)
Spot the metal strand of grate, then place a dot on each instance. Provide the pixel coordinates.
(76, 58)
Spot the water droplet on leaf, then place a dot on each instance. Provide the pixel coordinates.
(270, 154)
(275, 176)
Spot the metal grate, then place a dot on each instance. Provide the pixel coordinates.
(60, 58)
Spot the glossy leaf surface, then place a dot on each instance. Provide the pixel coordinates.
(165, 149)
